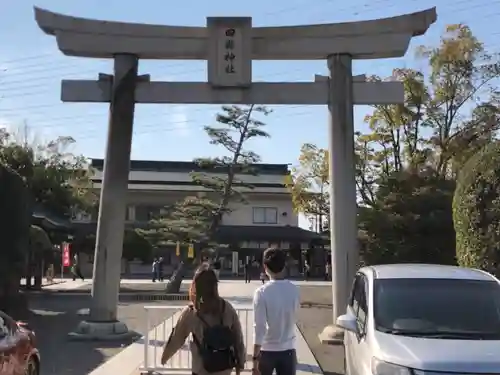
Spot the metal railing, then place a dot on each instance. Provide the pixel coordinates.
(156, 337)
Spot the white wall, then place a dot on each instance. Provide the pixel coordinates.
(195, 188)
(185, 177)
(242, 214)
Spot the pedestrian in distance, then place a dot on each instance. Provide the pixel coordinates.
(160, 269)
(216, 267)
(154, 270)
(307, 270)
(248, 272)
(75, 269)
(263, 277)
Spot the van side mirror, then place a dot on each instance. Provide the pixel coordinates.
(347, 322)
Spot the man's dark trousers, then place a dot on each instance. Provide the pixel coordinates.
(284, 362)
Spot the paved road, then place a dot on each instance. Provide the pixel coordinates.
(54, 316)
(68, 284)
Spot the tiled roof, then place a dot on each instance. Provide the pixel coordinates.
(189, 166)
(237, 233)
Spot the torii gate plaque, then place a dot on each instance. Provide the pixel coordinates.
(229, 45)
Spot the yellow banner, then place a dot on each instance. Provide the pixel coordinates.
(191, 251)
(178, 249)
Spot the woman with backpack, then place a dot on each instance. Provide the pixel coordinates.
(217, 344)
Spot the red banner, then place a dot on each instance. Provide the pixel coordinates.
(65, 255)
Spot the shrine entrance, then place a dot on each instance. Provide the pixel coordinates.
(229, 45)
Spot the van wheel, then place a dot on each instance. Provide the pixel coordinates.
(32, 367)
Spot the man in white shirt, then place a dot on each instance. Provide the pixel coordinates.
(276, 304)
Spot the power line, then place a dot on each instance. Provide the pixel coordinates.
(367, 7)
(157, 128)
(373, 6)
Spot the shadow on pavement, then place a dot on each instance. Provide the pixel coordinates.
(309, 370)
(239, 300)
(52, 319)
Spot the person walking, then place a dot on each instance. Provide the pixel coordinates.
(160, 269)
(327, 271)
(154, 270)
(75, 269)
(248, 272)
(216, 268)
(217, 345)
(307, 270)
(263, 276)
(276, 305)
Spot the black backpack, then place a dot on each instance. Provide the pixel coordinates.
(217, 349)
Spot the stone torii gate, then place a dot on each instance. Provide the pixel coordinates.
(229, 45)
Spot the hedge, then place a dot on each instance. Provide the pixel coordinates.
(476, 211)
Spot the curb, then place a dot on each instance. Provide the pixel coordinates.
(130, 296)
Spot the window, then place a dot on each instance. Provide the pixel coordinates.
(358, 302)
(265, 215)
(353, 292)
(7, 325)
(468, 307)
(146, 213)
(130, 213)
(4, 329)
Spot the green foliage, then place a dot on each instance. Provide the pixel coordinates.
(408, 159)
(33, 174)
(411, 222)
(39, 239)
(447, 116)
(15, 218)
(58, 180)
(135, 246)
(408, 162)
(476, 211)
(188, 222)
(15, 215)
(309, 183)
(196, 218)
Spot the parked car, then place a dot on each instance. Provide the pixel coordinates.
(18, 352)
(416, 319)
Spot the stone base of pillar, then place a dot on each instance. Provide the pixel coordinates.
(332, 335)
(101, 331)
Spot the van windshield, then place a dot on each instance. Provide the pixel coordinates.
(434, 306)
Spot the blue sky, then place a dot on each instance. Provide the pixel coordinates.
(32, 68)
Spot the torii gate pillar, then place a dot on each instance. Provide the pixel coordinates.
(343, 206)
(229, 45)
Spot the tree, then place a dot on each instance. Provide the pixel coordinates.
(196, 219)
(461, 77)
(476, 211)
(135, 246)
(418, 148)
(444, 120)
(59, 181)
(411, 222)
(309, 184)
(395, 140)
(36, 175)
(15, 226)
(40, 248)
